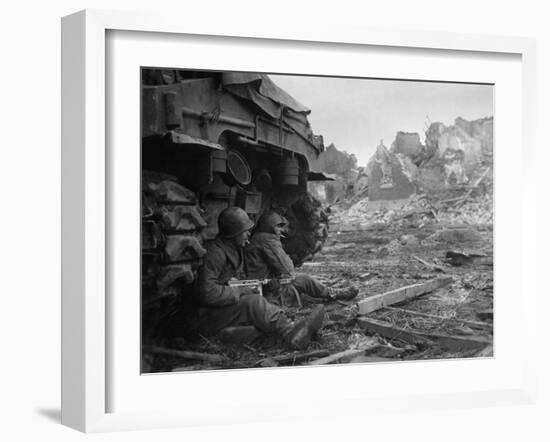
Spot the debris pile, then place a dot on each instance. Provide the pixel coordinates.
(477, 210)
(472, 206)
(455, 155)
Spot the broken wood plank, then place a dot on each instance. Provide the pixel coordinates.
(299, 357)
(362, 358)
(292, 358)
(441, 318)
(458, 258)
(429, 264)
(420, 260)
(481, 178)
(193, 355)
(376, 302)
(448, 342)
(342, 355)
(391, 351)
(389, 331)
(460, 343)
(195, 367)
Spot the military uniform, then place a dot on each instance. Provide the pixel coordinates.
(217, 305)
(266, 258)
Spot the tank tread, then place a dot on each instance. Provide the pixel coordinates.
(183, 248)
(172, 224)
(168, 192)
(182, 218)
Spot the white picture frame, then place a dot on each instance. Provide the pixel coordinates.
(86, 316)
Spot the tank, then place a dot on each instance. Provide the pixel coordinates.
(211, 140)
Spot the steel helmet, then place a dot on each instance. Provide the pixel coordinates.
(269, 220)
(233, 221)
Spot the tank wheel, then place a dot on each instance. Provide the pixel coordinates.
(172, 247)
(308, 229)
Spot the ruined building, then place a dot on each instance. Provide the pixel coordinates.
(451, 155)
(391, 175)
(461, 150)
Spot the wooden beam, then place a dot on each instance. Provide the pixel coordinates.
(440, 318)
(448, 342)
(344, 354)
(429, 265)
(193, 355)
(291, 358)
(389, 331)
(376, 302)
(460, 343)
(299, 357)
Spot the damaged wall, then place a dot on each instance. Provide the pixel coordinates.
(390, 176)
(338, 162)
(342, 168)
(452, 155)
(407, 143)
(482, 131)
(462, 149)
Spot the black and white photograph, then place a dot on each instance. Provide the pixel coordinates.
(301, 221)
(293, 220)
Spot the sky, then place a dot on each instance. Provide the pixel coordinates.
(355, 114)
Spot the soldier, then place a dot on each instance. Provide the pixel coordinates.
(220, 305)
(266, 259)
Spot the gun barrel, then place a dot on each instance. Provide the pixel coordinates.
(246, 282)
(255, 283)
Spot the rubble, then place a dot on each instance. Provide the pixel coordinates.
(445, 208)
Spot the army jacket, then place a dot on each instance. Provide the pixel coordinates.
(222, 262)
(266, 258)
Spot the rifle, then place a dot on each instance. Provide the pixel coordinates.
(257, 283)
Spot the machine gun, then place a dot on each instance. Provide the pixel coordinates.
(257, 284)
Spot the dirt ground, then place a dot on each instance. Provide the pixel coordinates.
(376, 256)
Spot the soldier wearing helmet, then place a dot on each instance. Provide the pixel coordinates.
(266, 258)
(221, 306)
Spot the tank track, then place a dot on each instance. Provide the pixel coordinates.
(172, 247)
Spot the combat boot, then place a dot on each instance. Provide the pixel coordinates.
(299, 334)
(346, 294)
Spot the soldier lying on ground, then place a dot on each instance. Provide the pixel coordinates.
(266, 259)
(220, 306)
